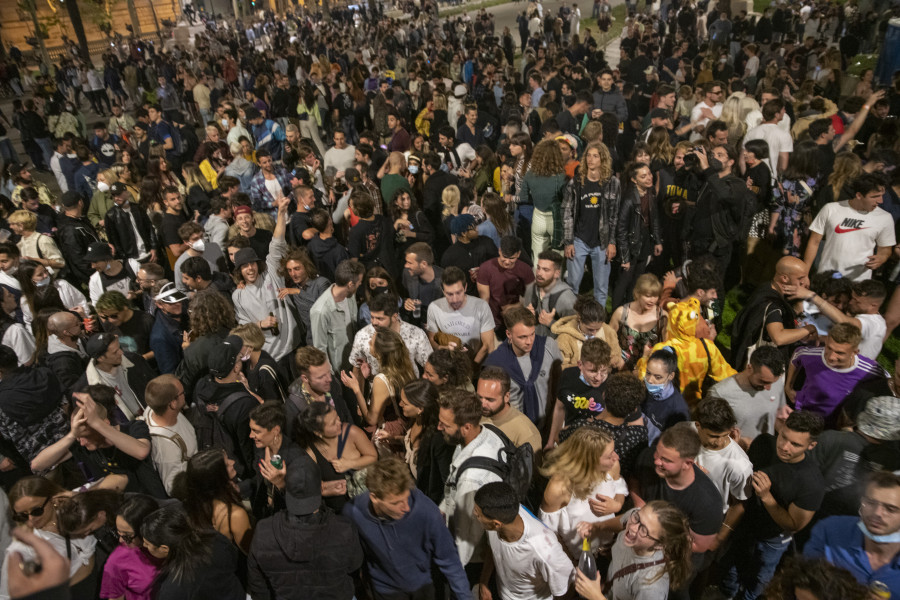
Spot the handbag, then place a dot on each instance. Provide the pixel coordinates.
(760, 339)
(356, 480)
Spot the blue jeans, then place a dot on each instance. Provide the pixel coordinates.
(750, 565)
(599, 265)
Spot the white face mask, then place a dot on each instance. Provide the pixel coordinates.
(43, 282)
(102, 186)
(225, 123)
(199, 245)
(413, 169)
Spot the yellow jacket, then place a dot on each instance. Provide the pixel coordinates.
(694, 362)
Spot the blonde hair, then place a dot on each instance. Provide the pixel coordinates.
(647, 285)
(193, 176)
(605, 162)
(25, 218)
(847, 166)
(110, 175)
(450, 200)
(577, 460)
(251, 334)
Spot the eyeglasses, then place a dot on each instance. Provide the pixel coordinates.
(642, 529)
(126, 537)
(869, 504)
(22, 517)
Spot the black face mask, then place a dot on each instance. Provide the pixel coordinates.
(381, 289)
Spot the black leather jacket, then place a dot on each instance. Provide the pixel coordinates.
(121, 233)
(630, 226)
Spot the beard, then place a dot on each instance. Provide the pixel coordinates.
(454, 439)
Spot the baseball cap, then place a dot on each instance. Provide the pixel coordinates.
(245, 256)
(302, 486)
(69, 199)
(98, 251)
(659, 113)
(460, 90)
(569, 139)
(117, 188)
(243, 209)
(170, 294)
(461, 223)
(223, 357)
(97, 344)
(352, 176)
(881, 418)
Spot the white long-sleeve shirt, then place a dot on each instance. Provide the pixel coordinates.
(459, 499)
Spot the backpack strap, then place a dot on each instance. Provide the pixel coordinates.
(494, 465)
(228, 401)
(176, 439)
(268, 369)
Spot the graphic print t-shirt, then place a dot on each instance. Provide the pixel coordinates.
(851, 237)
(580, 400)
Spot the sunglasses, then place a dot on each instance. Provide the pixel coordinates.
(126, 537)
(22, 517)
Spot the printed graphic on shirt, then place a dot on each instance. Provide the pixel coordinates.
(850, 225)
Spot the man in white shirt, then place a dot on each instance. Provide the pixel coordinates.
(63, 150)
(173, 439)
(341, 156)
(864, 312)
(756, 394)
(781, 144)
(529, 560)
(457, 314)
(859, 235)
(708, 110)
(459, 421)
(723, 460)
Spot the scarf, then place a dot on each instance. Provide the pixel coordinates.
(505, 357)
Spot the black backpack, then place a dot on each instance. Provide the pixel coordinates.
(513, 464)
(207, 422)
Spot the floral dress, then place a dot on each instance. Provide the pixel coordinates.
(792, 201)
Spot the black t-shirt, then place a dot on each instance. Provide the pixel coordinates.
(701, 502)
(260, 242)
(587, 228)
(168, 229)
(567, 123)
(296, 226)
(826, 159)
(98, 463)
(215, 578)
(365, 239)
(579, 400)
(799, 483)
(469, 256)
(134, 335)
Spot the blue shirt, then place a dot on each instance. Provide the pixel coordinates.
(839, 541)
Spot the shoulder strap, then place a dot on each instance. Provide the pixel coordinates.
(762, 329)
(268, 369)
(708, 359)
(632, 568)
(342, 440)
(175, 439)
(228, 401)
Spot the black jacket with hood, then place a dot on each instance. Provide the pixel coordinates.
(304, 557)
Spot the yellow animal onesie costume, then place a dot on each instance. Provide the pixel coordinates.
(694, 364)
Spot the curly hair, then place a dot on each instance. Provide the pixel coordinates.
(547, 160)
(210, 312)
(606, 170)
(824, 580)
(300, 255)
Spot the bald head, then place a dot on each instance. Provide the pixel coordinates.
(790, 271)
(61, 321)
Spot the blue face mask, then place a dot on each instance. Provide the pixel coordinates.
(658, 391)
(413, 169)
(891, 538)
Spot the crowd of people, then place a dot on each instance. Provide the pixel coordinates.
(407, 308)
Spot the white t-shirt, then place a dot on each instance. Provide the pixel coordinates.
(274, 187)
(341, 159)
(755, 409)
(696, 119)
(778, 139)
(874, 328)
(534, 567)
(167, 453)
(729, 469)
(21, 341)
(565, 521)
(467, 323)
(851, 237)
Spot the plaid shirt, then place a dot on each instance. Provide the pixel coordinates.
(259, 193)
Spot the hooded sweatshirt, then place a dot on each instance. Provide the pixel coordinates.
(303, 557)
(400, 552)
(570, 340)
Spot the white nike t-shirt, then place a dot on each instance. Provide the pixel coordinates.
(851, 237)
